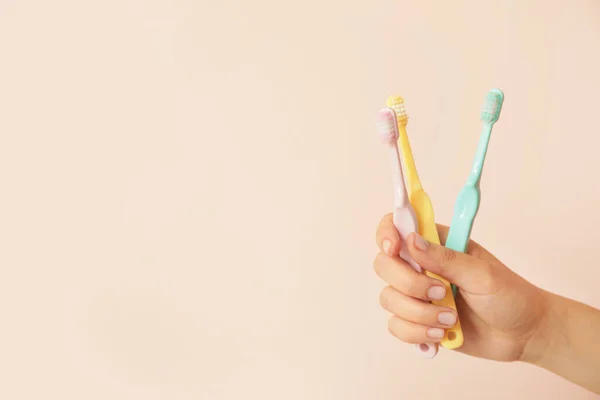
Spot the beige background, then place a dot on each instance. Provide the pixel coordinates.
(190, 189)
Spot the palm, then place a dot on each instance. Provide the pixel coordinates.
(497, 323)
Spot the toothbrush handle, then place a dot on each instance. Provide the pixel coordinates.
(482, 146)
(457, 242)
(412, 178)
(465, 210)
(468, 200)
(400, 194)
(458, 235)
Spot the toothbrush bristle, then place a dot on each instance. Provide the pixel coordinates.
(492, 106)
(396, 103)
(387, 125)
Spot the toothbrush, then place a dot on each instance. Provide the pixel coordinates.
(467, 202)
(424, 211)
(405, 219)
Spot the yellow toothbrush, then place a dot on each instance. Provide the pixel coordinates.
(424, 210)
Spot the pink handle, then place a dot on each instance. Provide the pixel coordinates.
(405, 222)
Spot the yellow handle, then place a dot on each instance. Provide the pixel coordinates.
(454, 336)
(424, 210)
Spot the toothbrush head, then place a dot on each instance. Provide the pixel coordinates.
(387, 126)
(492, 106)
(396, 103)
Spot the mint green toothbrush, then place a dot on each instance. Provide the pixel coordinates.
(467, 202)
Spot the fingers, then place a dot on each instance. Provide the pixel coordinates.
(410, 332)
(413, 310)
(387, 236)
(414, 320)
(470, 273)
(402, 277)
(473, 248)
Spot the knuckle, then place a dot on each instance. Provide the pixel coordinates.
(412, 282)
(398, 328)
(489, 281)
(448, 255)
(394, 327)
(384, 298)
(378, 263)
(391, 324)
(417, 285)
(423, 314)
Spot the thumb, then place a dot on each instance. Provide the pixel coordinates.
(387, 236)
(469, 273)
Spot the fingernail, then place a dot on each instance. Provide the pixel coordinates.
(447, 318)
(436, 292)
(436, 333)
(420, 243)
(387, 245)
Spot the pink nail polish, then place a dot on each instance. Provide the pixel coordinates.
(436, 333)
(436, 292)
(420, 243)
(386, 246)
(447, 318)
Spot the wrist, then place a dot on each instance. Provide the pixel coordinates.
(565, 342)
(547, 336)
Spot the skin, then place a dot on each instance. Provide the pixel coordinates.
(504, 317)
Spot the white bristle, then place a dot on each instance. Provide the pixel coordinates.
(397, 104)
(492, 106)
(387, 125)
(400, 110)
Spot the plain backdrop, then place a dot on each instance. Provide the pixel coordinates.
(189, 189)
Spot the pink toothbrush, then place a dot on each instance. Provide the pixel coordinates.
(405, 219)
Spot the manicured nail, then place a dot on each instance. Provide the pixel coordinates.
(387, 245)
(420, 243)
(436, 292)
(436, 333)
(447, 318)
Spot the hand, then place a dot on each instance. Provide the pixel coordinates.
(499, 310)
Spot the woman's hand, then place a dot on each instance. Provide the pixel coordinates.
(500, 312)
